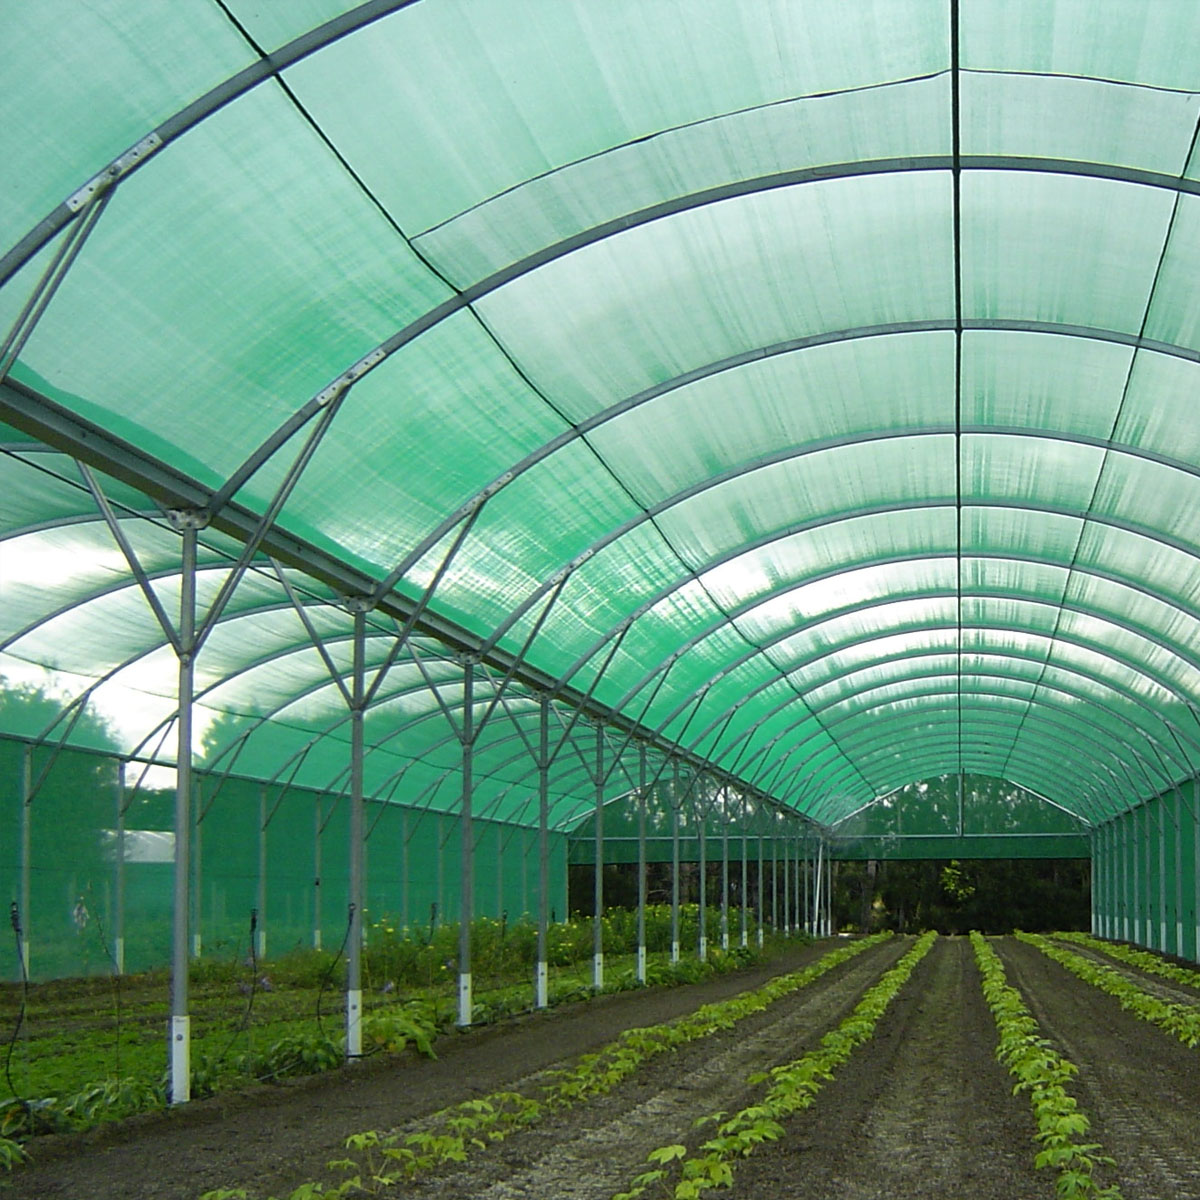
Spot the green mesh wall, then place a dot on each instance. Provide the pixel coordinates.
(1147, 887)
(70, 915)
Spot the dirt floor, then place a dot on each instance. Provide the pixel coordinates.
(923, 1110)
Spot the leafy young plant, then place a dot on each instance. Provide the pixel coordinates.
(1144, 960)
(1180, 1020)
(793, 1087)
(1043, 1074)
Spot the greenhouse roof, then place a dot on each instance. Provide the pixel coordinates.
(804, 387)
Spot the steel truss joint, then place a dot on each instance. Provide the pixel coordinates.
(119, 167)
(187, 518)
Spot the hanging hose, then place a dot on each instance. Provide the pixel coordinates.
(116, 976)
(14, 916)
(328, 975)
(244, 1024)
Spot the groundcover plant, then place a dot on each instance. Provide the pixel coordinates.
(1044, 1074)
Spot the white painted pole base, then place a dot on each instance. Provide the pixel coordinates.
(119, 955)
(745, 940)
(353, 1023)
(261, 950)
(196, 945)
(704, 949)
(181, 1060)
(724, 939)
(674, 952)
(25, 955)
(541, 986)
(316, 939)
(760, 937)
(641, 964)
(1179, 938)
(464, 999)
(598, 972)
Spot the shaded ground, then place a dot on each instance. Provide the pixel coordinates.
(923, 1110)
(1140, 1086)
(272, 1138)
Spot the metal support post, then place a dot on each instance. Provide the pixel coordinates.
(1162, 872)
(197, 872)
(1179, 947)
(179, 1053)
(541, 980)
(724, 878)
(260, 948)
(774, 884)
(675, 868)
(316, 932)
(702, 899)
(743, 930)
(1126, 879)
(119, 880)
(356, 881)
(816, 914)
(466, 904)
(598, 877)
(787, 885)
(641, 868)
(26, 859)
(760, 891)
(1196, 862)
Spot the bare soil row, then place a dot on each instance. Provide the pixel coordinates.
(922, 1111)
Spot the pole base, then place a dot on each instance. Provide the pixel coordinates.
(181, 1060)
(464, 999)
(353, 1024)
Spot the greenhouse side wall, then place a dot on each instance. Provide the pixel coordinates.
(1146, 886)
(98, 886)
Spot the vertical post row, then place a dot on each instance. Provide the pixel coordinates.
(787, 884)
(760, 890)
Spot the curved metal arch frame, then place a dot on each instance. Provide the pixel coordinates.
(1129, 697)
(1048, 713)
(792, 454)
(832, 744)
(1003, 729)
(1139, 706)
(923, 717)
(929, 594)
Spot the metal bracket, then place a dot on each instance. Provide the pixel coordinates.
(466, 659)
(357, 604)
(119, 167)
(187, 518)
(349, 376)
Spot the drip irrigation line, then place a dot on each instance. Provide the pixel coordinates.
(328, 975)
(14, 916)
(244, 1023)
(116, 976)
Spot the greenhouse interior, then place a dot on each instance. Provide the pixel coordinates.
(443, 450)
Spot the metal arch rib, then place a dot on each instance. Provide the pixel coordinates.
(1002, 653)
(199, 110)
(944, 593)
(793, 453)
(792, 531)
(950, 738)
(796, 747)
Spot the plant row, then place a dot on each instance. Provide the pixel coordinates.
(1044, 1074)
(387, 1158)
(793, 1088)
(1144, 960)
(1180, 1020)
